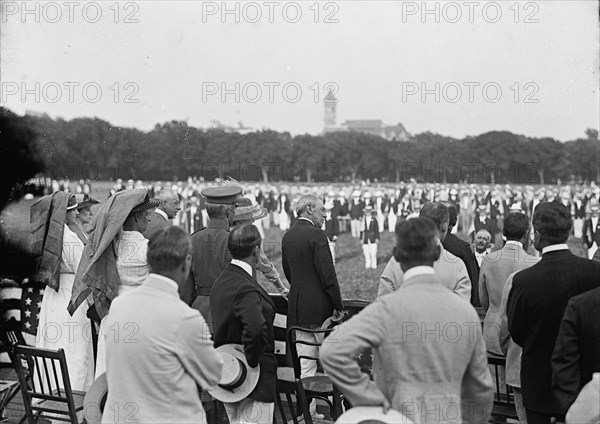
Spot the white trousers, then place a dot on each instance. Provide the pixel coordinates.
(355, 225)
(380, 220)
(392, 219)
(592, 250)
(249, 411)
(370, 252)
(308, 367)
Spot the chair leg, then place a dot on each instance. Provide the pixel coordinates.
(293, 410)
(302, 403)
(281, 410)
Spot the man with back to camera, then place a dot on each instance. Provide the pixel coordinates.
(536, 304)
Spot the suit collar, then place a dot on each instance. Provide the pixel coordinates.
(555, 248)
(218, 224)
(421, 279)
(304, 221)
(241, 272)
(162, 283)
(162, 214)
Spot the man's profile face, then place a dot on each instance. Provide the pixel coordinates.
(171, 206)
(318, 213)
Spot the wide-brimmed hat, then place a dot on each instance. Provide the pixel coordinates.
(328, 205)
(238, 380)
(368, 209)
(72, 202)
(372, 414)
(148, 203)
(356, 193)
(86, 201)
(594, 209)
(481, 209)
(94, 400)
(245, 210)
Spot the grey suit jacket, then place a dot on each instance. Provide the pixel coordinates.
(450, 269)
(427, 360)
(495, 269)
(155, 223)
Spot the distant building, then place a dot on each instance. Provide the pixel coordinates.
(368, 126)
(240, 129)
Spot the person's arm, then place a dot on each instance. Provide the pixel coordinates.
(247, 308)
(504, 334)
(285, 265)
(376, 232)
(194, 348)
(516, 311)
(463, 283)
(477, 393)
(483, 293)
(364, 330)
(565, 358)
(391, 278)
(323, 263)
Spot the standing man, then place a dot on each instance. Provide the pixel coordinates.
(171, 342)
(422, 372)
(308, 266)
(536, 304)
(356, 212)
(495, 269)
(210, 255)
(483, 239)
(462, 250)
(370, 237)
(591, 231)
(168, 209)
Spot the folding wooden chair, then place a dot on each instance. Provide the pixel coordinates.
(318, 386)
(504, 402)
(45, 385)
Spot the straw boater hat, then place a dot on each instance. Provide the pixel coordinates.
(94, 400)
(481, 209)
(238, 380)
(372, 415)
(245, 210)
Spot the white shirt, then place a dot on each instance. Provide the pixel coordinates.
(554, 247)
(132, 264)
(479, 256)
(594, 223)
(418, 270)
(245, 266)
(514, 242)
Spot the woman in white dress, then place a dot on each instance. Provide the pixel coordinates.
(56, 327)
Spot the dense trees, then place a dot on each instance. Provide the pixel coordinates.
(92, 148)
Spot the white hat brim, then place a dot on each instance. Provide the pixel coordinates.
(247, 386)
(360, 414)
(92, 402)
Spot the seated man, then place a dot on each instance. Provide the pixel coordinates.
(156, 362)
(433, 362)
(449, 269)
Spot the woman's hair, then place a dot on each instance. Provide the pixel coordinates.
(243, 240)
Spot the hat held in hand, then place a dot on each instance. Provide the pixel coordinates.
(238, 380)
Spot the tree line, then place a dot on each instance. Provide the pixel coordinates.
(92, 148)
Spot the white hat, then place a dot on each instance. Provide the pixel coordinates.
(94, 398)
(372, 414)
(238, 380)
(356, 193)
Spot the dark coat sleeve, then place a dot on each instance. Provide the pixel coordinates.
(516, 312)
(248, 309)
(323, 263)
(565, 359)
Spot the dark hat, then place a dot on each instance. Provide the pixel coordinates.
(87, 201)
(72, 204)
(226, 195)
(148, 203)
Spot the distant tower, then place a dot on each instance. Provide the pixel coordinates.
(330, 103)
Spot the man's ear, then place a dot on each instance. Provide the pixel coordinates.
(438, 250)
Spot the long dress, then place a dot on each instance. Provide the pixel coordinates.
(57, 329)
(132, 267)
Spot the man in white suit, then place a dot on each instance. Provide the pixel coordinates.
(450, 269)
(429, 362)
(159, 350)
(495, 269)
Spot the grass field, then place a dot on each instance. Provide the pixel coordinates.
(356, 282)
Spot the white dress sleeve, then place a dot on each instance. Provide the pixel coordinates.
(71, 252)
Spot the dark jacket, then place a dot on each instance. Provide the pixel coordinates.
(371, 234)
(577, 351)
(243, 313)
(356, 209)
(591, 234)
(535, 307)
(308, 266)
(155, 222)
(331, 228)
(461, 249)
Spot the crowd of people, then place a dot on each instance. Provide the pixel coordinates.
(211, 325)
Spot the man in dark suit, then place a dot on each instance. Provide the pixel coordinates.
(482, 222)
(591, 231)
(462, 250)
(243, 314)
(536, 304)
(577, 351)
(308, 266)
(210, 246)
(168, 209)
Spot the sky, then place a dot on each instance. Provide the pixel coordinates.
(454, 68)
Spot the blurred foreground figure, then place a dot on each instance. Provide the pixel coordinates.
(417, 371)
(536, 304)
(155, 376)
